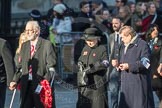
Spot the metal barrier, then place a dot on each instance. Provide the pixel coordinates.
(65, 52)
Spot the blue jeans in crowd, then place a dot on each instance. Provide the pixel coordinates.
(113, 87)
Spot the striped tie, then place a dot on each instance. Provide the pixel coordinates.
(30, 72)
(30, 66)
(32, 50)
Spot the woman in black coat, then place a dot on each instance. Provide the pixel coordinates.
(155, 43)
(93, 65)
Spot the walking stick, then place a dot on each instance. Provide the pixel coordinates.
(52, 70)
(13, 96)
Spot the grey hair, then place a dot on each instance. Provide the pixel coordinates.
(35, 24)
(129, 30)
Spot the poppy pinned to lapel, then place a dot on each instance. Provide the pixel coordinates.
(85, 52)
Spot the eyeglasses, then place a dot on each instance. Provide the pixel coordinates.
(29, 30)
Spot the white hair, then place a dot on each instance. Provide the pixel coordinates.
(35, 24)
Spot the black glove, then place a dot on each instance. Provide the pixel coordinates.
(97, 66)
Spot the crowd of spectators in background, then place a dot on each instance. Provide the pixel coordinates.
(143, 17)
(139, 15)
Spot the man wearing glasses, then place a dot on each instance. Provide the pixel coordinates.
(36, 68)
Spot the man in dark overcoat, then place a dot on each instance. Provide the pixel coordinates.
(7, 69)
(84, 18)
(134, 63)
(114, 75)
(37, 64)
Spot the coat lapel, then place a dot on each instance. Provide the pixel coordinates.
(28, 50)
(38, 45)
(112, 42)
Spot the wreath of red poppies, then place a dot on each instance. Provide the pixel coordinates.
(46, 94)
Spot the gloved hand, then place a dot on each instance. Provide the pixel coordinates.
(80, 64)
(82, 77)
(97, 66)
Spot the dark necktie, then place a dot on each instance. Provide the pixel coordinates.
(118, 39)
(116, 56)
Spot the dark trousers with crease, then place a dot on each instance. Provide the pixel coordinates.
(32, 99)
(114, 86)
(157, 87)
(2, 94)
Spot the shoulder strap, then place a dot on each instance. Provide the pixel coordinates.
(154, 19)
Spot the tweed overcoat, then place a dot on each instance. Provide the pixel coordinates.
(43, 59)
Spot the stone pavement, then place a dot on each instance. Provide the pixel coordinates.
(65, 98)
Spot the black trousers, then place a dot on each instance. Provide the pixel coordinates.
(32, 99)
(2, 94)
(157, 87)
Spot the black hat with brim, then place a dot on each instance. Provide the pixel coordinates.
(90, 34)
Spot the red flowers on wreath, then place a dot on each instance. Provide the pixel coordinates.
(156, 47)
(46, 94)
